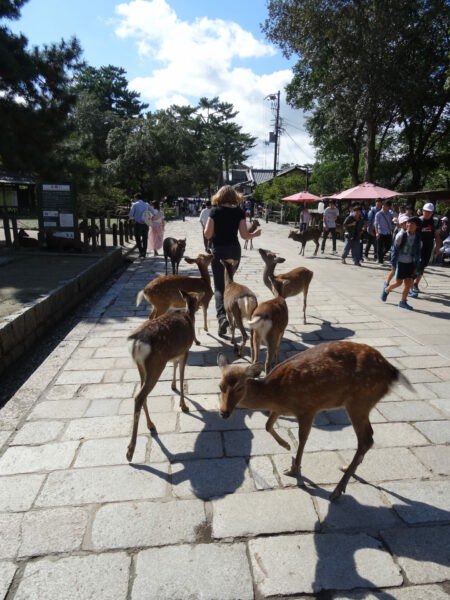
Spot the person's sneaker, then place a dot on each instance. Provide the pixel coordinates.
(385, 284)
(414, 293)
(404, 304)
(334, 252)
(384, 295)
(322, 251)
(223, 326)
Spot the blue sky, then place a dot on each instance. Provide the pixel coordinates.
(175, 51)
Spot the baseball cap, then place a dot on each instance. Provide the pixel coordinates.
(403, 218)
(428, 206)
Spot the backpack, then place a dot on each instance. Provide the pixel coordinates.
(147, 217)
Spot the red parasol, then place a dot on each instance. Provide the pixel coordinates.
(301, 197)
(365, 191)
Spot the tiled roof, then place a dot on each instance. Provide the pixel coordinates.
(14, 179)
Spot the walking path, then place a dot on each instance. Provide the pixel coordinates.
(204, 511)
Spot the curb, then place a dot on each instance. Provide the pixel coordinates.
(18, 332)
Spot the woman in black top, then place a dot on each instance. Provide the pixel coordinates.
(224, 222)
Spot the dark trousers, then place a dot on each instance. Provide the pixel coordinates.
(218, 271)
(384, 245)
(355, 247)
(332, 232)
(141, 235)
(371, 241)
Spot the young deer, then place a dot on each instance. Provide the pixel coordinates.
(239, 302)
(164, 291)
(174, 249)
(253, 227)
(268, 322)
(330, 375)
(154, 343)
(308, 234)
(286, 284)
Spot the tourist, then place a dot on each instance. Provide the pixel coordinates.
(203, 220)
(354, 225)
(156, 229)
(141, 214)
(429, 236)
(329, 223)
(383, 230)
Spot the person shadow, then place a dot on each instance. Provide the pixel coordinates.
(372, 528)
(218, 463)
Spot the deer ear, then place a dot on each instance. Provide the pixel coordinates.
(184, 295)
(221, 360)
(280, 260)
(254, 370)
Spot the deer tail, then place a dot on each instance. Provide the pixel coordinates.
(139, 297)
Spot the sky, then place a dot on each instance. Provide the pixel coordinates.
(177, 51)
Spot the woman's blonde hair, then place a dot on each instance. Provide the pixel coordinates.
(226, 195)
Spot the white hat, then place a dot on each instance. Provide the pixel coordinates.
(428, 206)
(444, 219)
(403, 218)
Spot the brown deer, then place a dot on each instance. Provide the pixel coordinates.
(327, 376)
(164, 291)
(154, 343)
(286, 284)
(239, 302)
(253, 227)
(174, 249)
(308, 234)
(268, 322)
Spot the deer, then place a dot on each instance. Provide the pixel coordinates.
(164, 291)
(239, 302)
(253, 227)
(23, 240)
(287, 284)
(328, 376)
(268, 322)
(174, 249)
(155, 343)
(305, 236)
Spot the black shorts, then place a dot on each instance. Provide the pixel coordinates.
(404, 271)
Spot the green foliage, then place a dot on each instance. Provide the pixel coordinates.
(371, 81)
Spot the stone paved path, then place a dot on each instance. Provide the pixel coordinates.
(205, 511)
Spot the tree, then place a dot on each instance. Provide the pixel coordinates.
(35, 98)
(361, 64)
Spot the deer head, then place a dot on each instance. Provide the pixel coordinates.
(233, 384)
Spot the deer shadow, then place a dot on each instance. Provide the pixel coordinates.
(218, 463)
(383, 528)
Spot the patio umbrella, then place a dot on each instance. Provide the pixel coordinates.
(365, 191)
(301, 197)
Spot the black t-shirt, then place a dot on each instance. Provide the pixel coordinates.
(427, 231)
(226, 225)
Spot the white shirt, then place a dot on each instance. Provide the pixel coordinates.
(204, 216)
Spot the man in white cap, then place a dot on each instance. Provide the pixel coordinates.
(429, 236)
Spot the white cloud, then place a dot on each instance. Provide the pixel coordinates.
(188, 60)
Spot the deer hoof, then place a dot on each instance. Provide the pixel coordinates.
(130, 453)
(173, 386)
(336, 494)
(184, 408)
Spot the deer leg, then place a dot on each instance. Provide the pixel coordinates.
(364, 433)
(240, 325)
(165, 258)
(205, 320)
(255, 341)
(150, 424)
(317, 247)
(304, 427)
(305, 296)
(183, 361)
(280, 339)
(174, 376)
(269, 428)
(138, 402)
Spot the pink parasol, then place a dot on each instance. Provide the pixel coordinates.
(365, 191)
(301, 197)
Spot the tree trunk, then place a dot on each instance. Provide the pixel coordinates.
(369, 171)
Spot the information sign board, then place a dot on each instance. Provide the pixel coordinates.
(57, 210)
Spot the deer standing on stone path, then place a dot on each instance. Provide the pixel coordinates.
(174, 249)
(253, 227)
(305, 236)
(268, 322)
(286, 284)
(164, 291)
(154, 343)
(327, 376)
(239, 302)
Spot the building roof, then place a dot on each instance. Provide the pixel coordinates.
(16, 179)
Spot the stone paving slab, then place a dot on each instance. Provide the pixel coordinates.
(141, 524)
(422, 592)
(102, 576)
(422, 552)
(202, 571)
(70, 504)
(302, 564)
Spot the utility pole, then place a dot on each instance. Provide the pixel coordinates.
(275, 135)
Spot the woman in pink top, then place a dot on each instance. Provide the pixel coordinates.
(156, 229)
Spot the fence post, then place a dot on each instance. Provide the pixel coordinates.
(108, 219)
(121, 241)
(114, 233)
(14, 228)
(93, 234)
(102, 232)
(6, 229)
(131, 228)
(125, 228)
